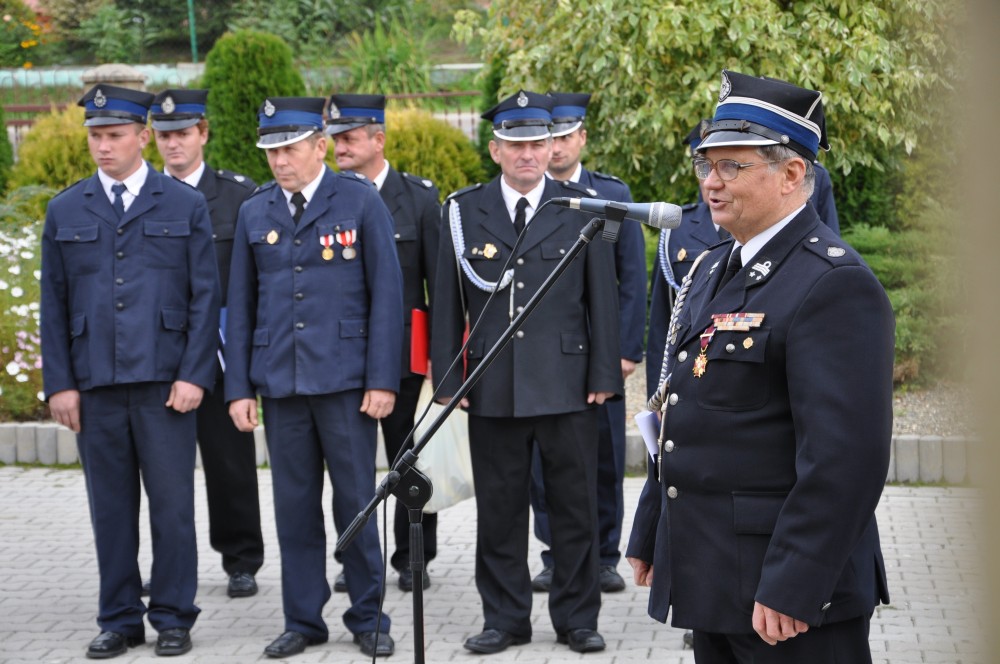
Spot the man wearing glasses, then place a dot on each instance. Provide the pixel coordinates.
(758, 515)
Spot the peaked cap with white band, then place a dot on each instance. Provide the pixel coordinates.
(766, 111)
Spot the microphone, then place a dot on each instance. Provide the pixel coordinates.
(657, 215)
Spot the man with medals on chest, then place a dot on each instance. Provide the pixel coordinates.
(315, 301)
(756, 528)
(544, 387)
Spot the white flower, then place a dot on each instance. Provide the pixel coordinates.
(21, 378)
(27, 255)
(14, 269)
(17, 291)
(38, 275)
(40, 395)
(4, 285)
(13, 368)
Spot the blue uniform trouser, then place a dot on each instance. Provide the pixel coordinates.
(303, 433)
(610, 487)
(126, 430)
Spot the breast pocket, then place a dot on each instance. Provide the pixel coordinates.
(555, 249)
(165, 242)
(406, 245)
(80, 249)
(269, 246)
(736, 375)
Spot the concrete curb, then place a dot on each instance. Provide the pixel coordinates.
(912, 458)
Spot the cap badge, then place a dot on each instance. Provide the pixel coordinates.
(522, 99)
(268, 108)
(168, 105)
(99, 99)
(726, 88)
(835, 252)
(334, 112)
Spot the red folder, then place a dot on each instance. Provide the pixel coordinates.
(418, 341)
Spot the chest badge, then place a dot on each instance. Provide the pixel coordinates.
(327, 242)
(489, 250)
(347, 239)
(272, 237)
(682, 254)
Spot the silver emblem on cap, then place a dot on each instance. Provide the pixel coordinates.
(268, 108)
(522, 99)
(726, 88)
(168, 105)
(835, 252)
(99, 99)
(334, 112)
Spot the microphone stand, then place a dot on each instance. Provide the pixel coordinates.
(413, 488)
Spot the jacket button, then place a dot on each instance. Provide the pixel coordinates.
(396, 236)
(519, 309)
(166, 231)
(520, 334)
(119, 306)
(215, 236)
(520, 284)
(730, 348)
(120, 254)
(121, 231)
(77, 237)
(299, 296)
(520, 261)
(668, 446)
(673, 399)
(681, 356)
(562, 251)
(119, 281)
(300, 326)
(298, 268)
(298, 242)
(671, 492)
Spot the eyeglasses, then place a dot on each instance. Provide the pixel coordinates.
(727, 169)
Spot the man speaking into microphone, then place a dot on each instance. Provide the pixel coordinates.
(544, 387)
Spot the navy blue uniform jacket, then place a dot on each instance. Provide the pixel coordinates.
(630, 264)
(776, 457)
(130, 300)
(298, 324)
(568, 347)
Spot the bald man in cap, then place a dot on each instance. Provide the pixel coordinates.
(228, 457)
(544, 387)
(129, 322)
(756, 528)
(315, 299)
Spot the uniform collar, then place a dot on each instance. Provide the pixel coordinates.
(577, 174)
(757, 242)
(194, 177)
(511, 196)
(308, 191)
(133, 183)
(379, 179)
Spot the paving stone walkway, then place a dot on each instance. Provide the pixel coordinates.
(48, 587)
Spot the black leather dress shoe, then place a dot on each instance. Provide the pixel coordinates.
(112, 644)
(493, 641)
(173, 642)
(288, 644)
(241, 584)
(611, 580)
(543, 582)
(582, 640)
(340, 584)
(383, 646)
(406, 580)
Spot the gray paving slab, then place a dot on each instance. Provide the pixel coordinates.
(48, 587)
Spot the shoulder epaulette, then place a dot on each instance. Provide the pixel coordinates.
(235, 177)
(72, 186)
(462, 192)
(606, 176)
(834, 251)
(261, 188)
(578, 188)
(423, 182)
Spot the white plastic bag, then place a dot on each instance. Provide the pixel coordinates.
(446, 459)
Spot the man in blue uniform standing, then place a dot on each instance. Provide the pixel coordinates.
(756, 528)
(315, 299)
(129, 322)
(357, 125)
(569, 136)
(227, 454)
(543, 389)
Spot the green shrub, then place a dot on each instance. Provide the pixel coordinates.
(391, 60)
(20, 353)
(241, 70)
(54, 153)
(20, 34)
(418, 143)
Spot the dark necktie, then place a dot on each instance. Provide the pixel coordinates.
(519, 215)
(118, 203)
(734, 265)
(299, 201)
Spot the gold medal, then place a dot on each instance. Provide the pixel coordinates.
(700, 364)
(272, 237)
(489, 251)
(328, 254)
(748, 343)
(348, 253)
